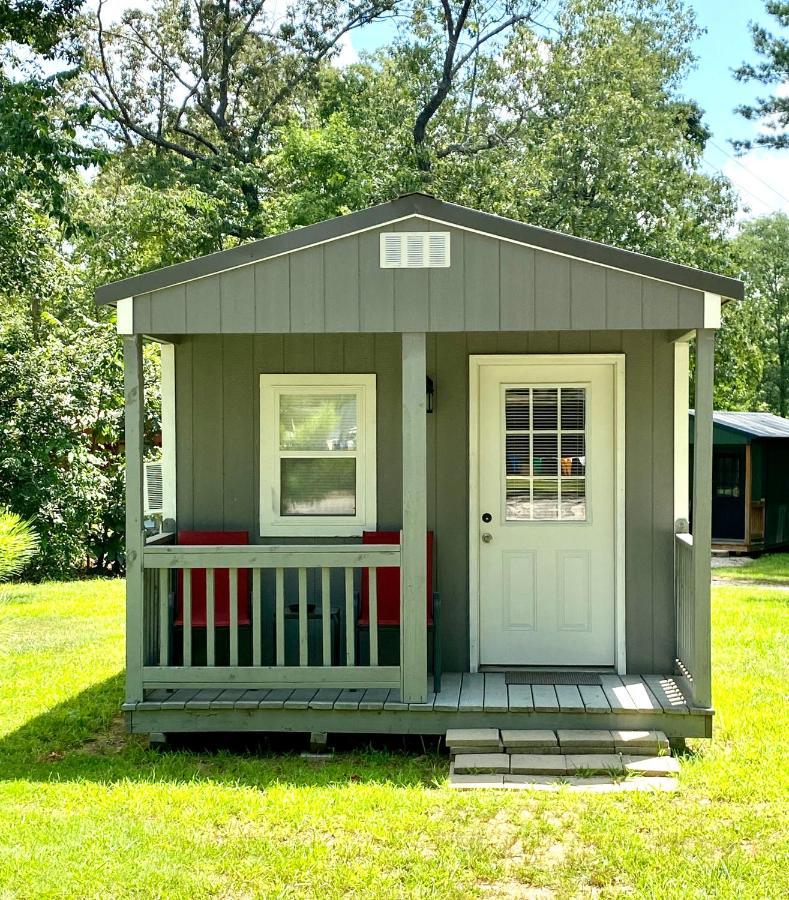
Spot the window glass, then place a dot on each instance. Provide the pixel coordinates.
(318, 487)
(317, 422)
(545, 453)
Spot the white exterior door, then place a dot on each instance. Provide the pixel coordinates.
(546, 513)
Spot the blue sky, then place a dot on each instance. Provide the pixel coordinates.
(761, 177)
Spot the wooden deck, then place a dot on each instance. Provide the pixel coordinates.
(465, 700)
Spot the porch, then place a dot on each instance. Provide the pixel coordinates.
(466, 700)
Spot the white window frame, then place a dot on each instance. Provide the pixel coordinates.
(272, 523)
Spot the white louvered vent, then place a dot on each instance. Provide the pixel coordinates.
(415, 250)
(154, 488)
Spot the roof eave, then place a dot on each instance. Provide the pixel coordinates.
(429, 207)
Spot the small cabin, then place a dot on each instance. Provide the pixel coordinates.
(421, 467)
(750, 481)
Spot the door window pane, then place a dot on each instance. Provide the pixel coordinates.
(318, 487)
(317, 422)
(545, 456)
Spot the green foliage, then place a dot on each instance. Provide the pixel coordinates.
(771, 112)
(18, 543)
(61, 465)
(762, 250)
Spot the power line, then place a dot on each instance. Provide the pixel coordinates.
(745, 168)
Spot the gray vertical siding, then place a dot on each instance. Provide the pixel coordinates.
(491, 285)
(218, 451)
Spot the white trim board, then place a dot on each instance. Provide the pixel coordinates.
(617, 360)
(271, 522)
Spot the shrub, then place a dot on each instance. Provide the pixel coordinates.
(18, 543)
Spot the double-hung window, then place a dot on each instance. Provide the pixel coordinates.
(317, 454)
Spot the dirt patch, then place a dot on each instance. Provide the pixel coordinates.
(113, 741)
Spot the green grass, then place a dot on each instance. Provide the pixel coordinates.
(772, 568)
(86, 811)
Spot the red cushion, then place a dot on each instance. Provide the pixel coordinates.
(221, 582)
(388, 582)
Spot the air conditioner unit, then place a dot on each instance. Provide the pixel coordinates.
(153, 488)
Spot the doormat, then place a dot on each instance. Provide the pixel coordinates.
(552, 678)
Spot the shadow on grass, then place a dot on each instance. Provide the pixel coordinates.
(84, 739)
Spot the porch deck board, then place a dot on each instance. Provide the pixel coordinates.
(667, 693)
(617, 694)
(545, 699)
(448, 697)
(465, 700)
(374, 698)
(324, 698)
(640, 693)
(594, 698)
(569, 698)
(496, 698)
(520, 698)
(472, 693)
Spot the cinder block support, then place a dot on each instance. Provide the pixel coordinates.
(134, 412)
(702, 513)
(413, 556)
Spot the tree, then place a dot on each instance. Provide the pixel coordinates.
(594, 136)
(772, 112)
(763, 249)
(202, 88)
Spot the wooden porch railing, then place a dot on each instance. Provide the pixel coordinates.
(692, 621)
(333, 572)
(685, 611)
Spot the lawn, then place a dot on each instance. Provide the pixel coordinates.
(86, 811)
(771, 568)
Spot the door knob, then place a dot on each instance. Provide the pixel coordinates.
(486, 537)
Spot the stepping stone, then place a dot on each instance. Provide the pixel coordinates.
(475, 781)
(540, 741)
(538, 764)
(651, 766)
(607, 763)
(478, 763)
(591, 740)
(537, 782)
(487, 738)
(640, 742)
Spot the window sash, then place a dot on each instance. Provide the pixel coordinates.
(272, 389)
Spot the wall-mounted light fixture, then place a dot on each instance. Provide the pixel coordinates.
(429, 391)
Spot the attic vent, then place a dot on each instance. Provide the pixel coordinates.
(154, 488)
(415, 250)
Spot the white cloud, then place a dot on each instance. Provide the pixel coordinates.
(761, 178)
(348, 54)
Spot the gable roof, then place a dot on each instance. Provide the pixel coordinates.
(755, 424)
(430, 208)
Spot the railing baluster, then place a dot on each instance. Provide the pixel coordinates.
(164, 617)
(280, 616)
(233, 600)
(326, 615)
(350, 625)
(257, 655)
(210, 618)
(373, 625)
(303, 638)
(187, 636)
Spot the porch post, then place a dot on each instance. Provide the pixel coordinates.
(413, 555)
(134, 411)
(702, 514)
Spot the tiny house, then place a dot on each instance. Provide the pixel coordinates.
(422, 467)
(750, 481)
